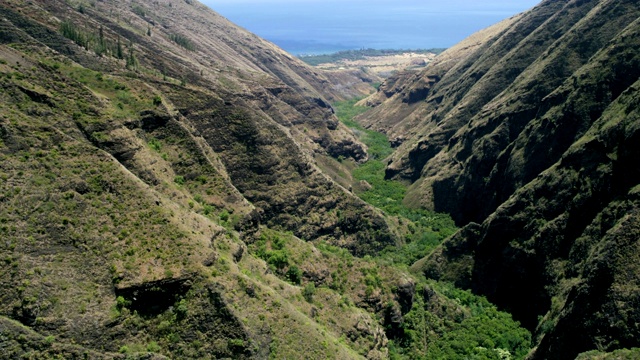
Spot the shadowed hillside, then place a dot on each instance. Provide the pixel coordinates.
(526, 134)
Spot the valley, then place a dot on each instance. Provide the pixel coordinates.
(175, 187)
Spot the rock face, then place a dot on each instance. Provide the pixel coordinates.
(528, 140)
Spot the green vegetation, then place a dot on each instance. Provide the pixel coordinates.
(424, 230)
(476, 329)
(183, 41)
(315, 60)
(125, 101)
(481, 332)
(271, 248)
(92, 41)
(132, 61)
(50, 339)
(179, 180)
(75, 34)
(377, 143)
(308, 292)
(621, 354)
(138, 10)
(155, 144)
(384, 194)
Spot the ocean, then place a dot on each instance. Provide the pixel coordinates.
(316, 27)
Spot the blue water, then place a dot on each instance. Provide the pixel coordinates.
(325, 26)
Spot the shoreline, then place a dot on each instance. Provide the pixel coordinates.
(381, 62)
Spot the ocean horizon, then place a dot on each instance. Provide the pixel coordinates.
(311, 27)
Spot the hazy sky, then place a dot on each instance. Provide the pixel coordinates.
(436, 4)
(312, 26)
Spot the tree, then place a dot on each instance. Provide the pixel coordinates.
(308, 291)
(132, 62)
(119, 51)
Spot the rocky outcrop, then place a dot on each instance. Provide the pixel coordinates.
(154, 297)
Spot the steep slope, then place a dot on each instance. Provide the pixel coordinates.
(532, 135)
(403, 112)
(144, 147)
(278, 119)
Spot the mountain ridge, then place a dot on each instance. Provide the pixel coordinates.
(517, 143)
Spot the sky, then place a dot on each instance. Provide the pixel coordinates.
(320, 26)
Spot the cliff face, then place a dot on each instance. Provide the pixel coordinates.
(529, 139)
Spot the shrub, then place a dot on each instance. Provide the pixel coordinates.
(155, 144)
(179, 180)
(308, 292)
(236, 343)
(208, 209)
(49, 339)
(278, 258)
(121, 304)
(183, 41)
(138, 10)
(153, 347)
(294, 274)
(278, 243)
(182, 309)
(201, 179)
